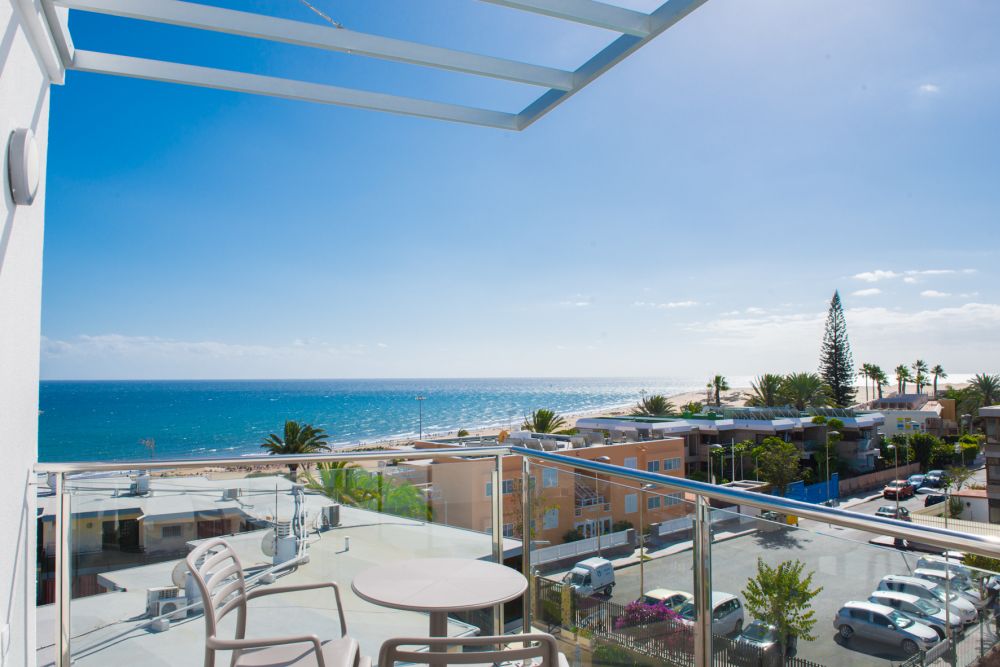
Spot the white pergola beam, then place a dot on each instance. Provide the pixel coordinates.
(207, 77)
(246, 24)
(589, 12)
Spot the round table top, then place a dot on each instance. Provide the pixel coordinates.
(439, 584)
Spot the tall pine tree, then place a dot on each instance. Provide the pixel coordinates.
(835, 362)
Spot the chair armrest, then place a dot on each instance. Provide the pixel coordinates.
(264, 642)
(275, 590)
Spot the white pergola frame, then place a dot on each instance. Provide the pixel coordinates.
(635, 28)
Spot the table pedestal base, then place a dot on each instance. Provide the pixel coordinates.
(439, 626)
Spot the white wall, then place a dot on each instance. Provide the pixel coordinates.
(24, 102)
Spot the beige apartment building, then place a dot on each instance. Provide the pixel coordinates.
(991, 424)
(460, 491)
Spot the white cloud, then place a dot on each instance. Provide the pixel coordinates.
(910, 280)
(928, 89)
(875, 276)
(754, 310)
(871, 291)
(934, 294)
(668, 304)
(382, 345)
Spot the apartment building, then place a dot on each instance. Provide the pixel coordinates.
(915, 413)
(460, 491)
(991, 424)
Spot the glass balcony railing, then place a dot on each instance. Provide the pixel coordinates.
(664, 571)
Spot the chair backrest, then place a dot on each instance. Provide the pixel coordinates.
(219, 575)
(510, 648)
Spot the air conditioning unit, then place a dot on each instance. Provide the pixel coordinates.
(232, 494)
(331, 515)
(172, 608)
(155, 596)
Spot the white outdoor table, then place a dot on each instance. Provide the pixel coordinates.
(439, 586)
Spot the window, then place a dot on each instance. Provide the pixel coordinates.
(507, 486)
(653, 503)
(671, 499)
(671, 464)
(508, 530)
(879, 619)
(631, 462)
(489, 489)
(631, 503)
(550, 519)
(653, 466)
(550, 477)
(860, 614)
(170, 531)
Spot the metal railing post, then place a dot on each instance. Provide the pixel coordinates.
(498, 531)
(526, 489)
(702, 553)
(63, 582)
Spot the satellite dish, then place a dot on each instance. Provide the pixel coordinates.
(267, 544)
(179, 575)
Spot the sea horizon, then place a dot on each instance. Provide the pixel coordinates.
(91, 419)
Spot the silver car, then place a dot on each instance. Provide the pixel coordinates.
(956, 583)
(928, 590)
(920, 610)
(883, 624)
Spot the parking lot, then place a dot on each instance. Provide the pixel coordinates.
(846, 566)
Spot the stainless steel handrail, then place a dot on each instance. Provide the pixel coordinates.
(72, 467)
(938, 537)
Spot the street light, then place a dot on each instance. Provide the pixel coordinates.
(420, 407)
(895, 453)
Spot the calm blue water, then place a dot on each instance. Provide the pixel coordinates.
(106, 420)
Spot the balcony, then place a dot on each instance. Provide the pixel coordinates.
(113, 591)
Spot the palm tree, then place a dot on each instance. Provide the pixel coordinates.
(341, 481)
(920, 369)
(766, 391)
(986, 388)
(719, 385)
(880, 379)
(543, 420)
(805, 390)
(656, 405)
(299, 439)
(693, 407)
(938, 372)
(868, 373)
(902, 377)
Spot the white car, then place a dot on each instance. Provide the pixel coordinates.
(665, 596)
(929, 590)
(958, 584)
(727, 614)
(920, 610)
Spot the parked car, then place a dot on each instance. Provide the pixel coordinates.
(916, 480)
(727, 613)
(935, 479)
(883, 624)
(665, 596)
(952, 564)
(758, 646)
(898, 488)
(590, 576)
(920, 610)
(934, 499)
(929, 590)
(957, 584)
(889, 511)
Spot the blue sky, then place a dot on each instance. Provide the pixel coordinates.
(691, 212)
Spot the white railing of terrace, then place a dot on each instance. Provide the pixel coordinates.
(702, 519)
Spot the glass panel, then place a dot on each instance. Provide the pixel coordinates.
(131, 532)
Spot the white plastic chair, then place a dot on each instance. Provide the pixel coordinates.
(531, 647)
(219, 576)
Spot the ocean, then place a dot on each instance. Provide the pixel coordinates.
(106, 420)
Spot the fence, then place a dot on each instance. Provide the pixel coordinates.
(584, 547)
(876, 479)
(814, 493)
(974, 527)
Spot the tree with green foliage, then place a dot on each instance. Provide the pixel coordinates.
(868, 373)
(340, 481)
(920, 370)
(298, 439)
(836, 366)
(834, 434)
(938, 372)
(543, 420)
(693, 407)
(880, 379)
(923, 445)
(986, 389)
(766, 390)
(805, 390)
(719, 384)
(781, 596)
(462, 433)
(656, 405)
(778, 462)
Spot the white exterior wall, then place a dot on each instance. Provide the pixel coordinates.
(24, 102)
(975, 509)
(912, 421)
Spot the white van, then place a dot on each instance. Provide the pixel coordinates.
(590, 576)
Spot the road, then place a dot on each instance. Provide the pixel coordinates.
(844, 564)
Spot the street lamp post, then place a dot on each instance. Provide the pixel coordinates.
(420, 409)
